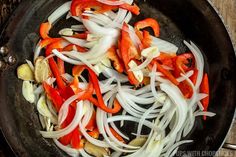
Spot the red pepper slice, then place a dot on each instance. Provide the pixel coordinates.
(81, 35)
(166, 73)
(44, 30)
(75, 139)
(117, 136)
(65, 140)
(149, 22)
(71, 46)
(77, 70)
(117, 63)
(92, 122)
(61, 66)
(53, 95)
(78, 6)
(53, 64)
(184, 63)
(95, 133)
(48, 41)
(204, 88)
(128, 52)
(146, 39)
(186, 89)
(100, 104)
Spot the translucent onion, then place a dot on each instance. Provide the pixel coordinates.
(109, 2)
(70, 151)
(70, 127)
(59, 12)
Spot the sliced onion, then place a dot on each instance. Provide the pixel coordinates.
(188, 75)
(108, 72)
(37, 50)
(59, 12)
(172, 148)
(70, 127)
(67, 77)
(144, 117)
(70, 151)
(209, 114)
(76, 41)
(78, 28)
(128, 17)
(30, 64)
(199, 63)
(103, 18)
(109, 2)
(63, 112)
(96, 29)
(164, 46)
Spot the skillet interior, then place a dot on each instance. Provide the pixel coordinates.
(179, 19)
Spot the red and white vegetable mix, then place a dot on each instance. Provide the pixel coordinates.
(119, 76)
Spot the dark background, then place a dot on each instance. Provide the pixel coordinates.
(6, 8)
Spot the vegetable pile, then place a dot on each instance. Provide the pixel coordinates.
(118, 75)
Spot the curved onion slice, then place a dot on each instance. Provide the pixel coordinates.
(199, 63)
(70, 127)
(63, 9)
(96, 29)
(109, 2)
(164, 46)
(70, 151)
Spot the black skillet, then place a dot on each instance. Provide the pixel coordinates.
(194, 20)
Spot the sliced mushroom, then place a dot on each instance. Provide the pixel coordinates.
(42, 69)
(25, 73)
(28, 91)
(95, 150)
(140, 141)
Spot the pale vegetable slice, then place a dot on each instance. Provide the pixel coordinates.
(66, 32)
(138, 74)
(28, 91)
(140, 141)
(25, 73)
(42, 69)
(95, 150)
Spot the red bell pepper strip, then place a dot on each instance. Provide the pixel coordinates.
(186, 89)
(65, 140)
(146, 39)
(78, 6)
(128, 52)
(71, 46)
(81, 35)
(166, 73)
(184, 63)
(53, 64)
(117, 136)
(92, 122)
(132, 8)
(48, 41)
(61, 66)
(75, 139)
(101, 105)
(53, 95)
(77, 70)
(204, 88)
(95, 133)
(149, 22)
(117, 63)
(44, 30)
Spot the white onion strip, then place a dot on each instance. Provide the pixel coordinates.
(70, 127)
(63, 9)
(109, 2)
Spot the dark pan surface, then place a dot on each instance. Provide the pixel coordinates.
(179, 19)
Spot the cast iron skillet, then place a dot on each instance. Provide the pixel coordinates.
(179, 19)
